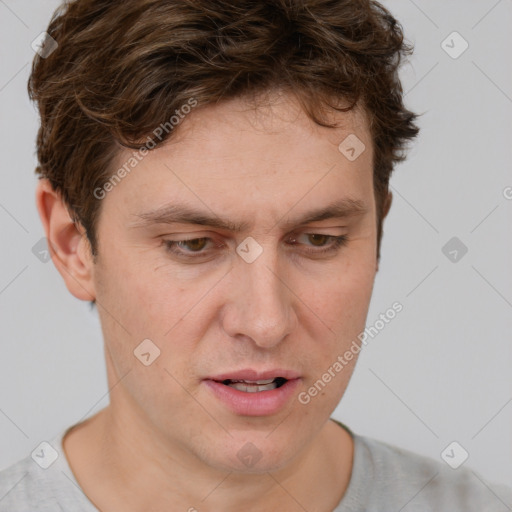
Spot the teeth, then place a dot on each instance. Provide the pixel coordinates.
(251, 387)
(254, 386)
(259, 382)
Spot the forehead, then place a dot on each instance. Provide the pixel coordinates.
(225, 129)
(253, 159)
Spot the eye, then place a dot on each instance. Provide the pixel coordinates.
(325, 243)
(199, 247)
(196, 245)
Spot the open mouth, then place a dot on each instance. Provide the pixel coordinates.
(255, 386)
(249, 392)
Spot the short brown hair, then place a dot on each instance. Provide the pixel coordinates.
(121, 68)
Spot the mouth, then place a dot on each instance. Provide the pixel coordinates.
(255, 386)
(251, 393)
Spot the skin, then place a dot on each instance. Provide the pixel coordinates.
(166, 442)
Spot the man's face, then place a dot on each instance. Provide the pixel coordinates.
(284, 305)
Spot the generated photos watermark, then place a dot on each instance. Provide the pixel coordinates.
(343, 360)
(132, 162)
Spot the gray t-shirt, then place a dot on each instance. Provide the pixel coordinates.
(384, 479)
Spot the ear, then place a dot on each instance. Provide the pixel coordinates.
(387, 205)
(68, 244)
(385, 210)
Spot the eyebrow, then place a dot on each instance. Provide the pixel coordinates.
(183, 214)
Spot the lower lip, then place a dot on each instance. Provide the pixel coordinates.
(262, 403)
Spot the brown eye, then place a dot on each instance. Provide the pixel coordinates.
(195, 244)
(184, 247)
(319, 240)
(318, 243)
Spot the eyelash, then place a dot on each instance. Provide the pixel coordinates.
(336, 244)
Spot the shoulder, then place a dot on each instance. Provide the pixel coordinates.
(405, 479)
(42, 482)
(23, 487)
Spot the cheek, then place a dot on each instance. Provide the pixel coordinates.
(137, 294)
(342, 298)
(342, 304)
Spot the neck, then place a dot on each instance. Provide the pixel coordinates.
(123, 463)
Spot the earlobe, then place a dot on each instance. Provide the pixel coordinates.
(67, 242)
(387, 205)
(385, 210)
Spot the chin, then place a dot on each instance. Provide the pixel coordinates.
(252, 456)
(251, 465)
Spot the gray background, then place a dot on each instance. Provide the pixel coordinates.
(439, 372)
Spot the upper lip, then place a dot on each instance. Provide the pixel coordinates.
(254, 375)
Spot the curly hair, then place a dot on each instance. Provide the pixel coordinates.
(123, 67)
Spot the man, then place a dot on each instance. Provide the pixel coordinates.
(214, 178)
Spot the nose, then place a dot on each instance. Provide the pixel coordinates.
(261, 305)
